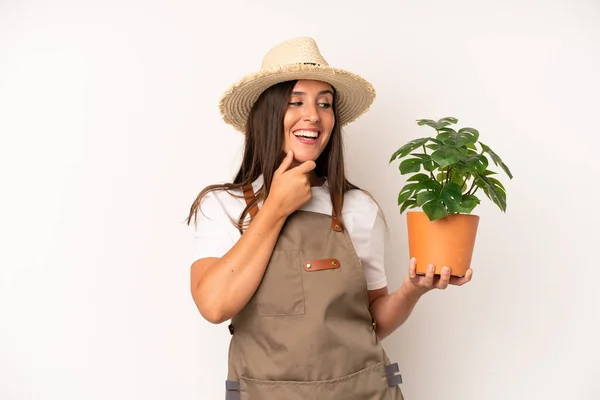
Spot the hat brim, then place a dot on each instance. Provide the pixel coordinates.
(354, 94)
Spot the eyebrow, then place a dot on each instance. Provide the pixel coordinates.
(320, 93)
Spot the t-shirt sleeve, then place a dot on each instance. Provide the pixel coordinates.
(373, 257)
(213, 234)
(367, 230)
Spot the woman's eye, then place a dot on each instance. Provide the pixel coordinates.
(324, 105)
(295, 103)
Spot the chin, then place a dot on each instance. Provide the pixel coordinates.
(305, 157)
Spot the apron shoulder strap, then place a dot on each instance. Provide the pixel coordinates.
(335, 222)
(249, 196)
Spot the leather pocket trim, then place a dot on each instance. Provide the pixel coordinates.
(319, 265)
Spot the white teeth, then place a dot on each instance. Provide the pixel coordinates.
(308, 134)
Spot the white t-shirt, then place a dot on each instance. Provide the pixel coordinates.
(214, 234)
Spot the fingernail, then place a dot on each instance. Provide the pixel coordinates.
(431, 268)
(446, 270)
(413, 261)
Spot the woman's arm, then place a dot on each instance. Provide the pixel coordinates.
(221, 287)
(391, 310)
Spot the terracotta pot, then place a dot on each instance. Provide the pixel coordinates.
(447, 241)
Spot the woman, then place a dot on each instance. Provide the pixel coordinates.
(291, 251)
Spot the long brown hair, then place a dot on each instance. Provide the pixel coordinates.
(263, 153)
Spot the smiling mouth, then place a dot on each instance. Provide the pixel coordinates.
(310, 135)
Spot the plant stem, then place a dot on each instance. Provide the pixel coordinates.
(471, 188)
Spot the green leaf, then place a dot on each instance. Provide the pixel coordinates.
(426, 197)
(494, 193)
(468, 136)
(450, 120)
(447, 198)
(448, 139)
(428, 122)
(430, 184)
(418, 178)
(473, 163)
(446, 156)
(450, 131)
(403, 197)
(447, 130)
(451, 195)
(429, 166)
(464, 151)
(497, 183)
(406, 192)
(436, 144)
(468, 203)
(447, 136)
(422, 156)
(408, 204)
(445, 122)
(434, 211)
(408, 147)
(410, 166)
(455, 176)
(496, 159)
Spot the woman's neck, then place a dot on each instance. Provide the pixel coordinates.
(316, 180)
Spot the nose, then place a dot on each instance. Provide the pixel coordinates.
(312, 114)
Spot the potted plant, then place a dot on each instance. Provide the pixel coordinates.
(446, 172)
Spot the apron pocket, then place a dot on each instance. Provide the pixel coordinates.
(367, 384)
(281, 292)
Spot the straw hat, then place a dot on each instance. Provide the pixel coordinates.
(294, 59)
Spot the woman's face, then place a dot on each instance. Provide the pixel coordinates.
(308, 120)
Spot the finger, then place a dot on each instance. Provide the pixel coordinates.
(306, 167)
(412, 269)
(444, 278)
(459, 281)
(287, 161)
(429, 275)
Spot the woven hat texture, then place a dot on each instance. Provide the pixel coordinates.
(295, 59)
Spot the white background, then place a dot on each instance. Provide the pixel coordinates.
(110, 127)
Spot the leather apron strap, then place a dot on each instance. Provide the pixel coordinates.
(249, 196)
